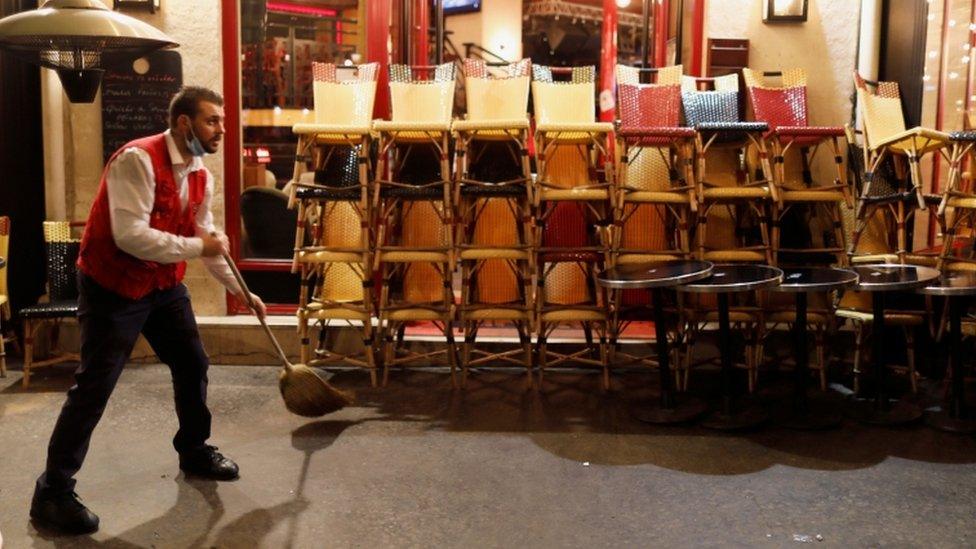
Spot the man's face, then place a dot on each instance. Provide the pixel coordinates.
(207, 125)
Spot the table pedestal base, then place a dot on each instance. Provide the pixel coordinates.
(818, 414)
(943, 421)
(896, 413)
(683, 410)
(742, 415)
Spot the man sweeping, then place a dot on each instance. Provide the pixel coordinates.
(151, 214)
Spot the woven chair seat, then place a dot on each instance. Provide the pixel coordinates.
(432, 192)
(962, 202)
(635, 258)
(329, 256)
(321, 193)
(736, 192)
(495, 313)
(584, 128)
(330, 130)
(924, 139)
(657, 197)
(900, 196)
(968, 136)
(415, 313)
(419, 128)
(572, 315)
(493, 190)
(732, 127)
(651, 136)
(571, 257)
(734, 315)
(321, 311)
(809, 131)
(819, 318)
(576, 194)
(480, 125)
(735, 256)
(407, 256)
(811, 195)
(56, 309)
(890, 318)
(474, 254)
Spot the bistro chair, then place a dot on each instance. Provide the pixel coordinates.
(62, 297)
(655, 185)
(413, 210)
(493, 194)
(333, 241)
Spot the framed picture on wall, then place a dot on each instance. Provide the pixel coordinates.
(452, 7)
(784, 11)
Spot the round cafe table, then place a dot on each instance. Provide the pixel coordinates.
(955, 416)
(809, 412)
(727, 279)
(881, 280)
(655, 277)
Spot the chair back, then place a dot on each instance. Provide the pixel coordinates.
(783, 105)
(880, 110)
(563, 102)
(720, 104)
(662, 76)
(269, 224)
(344, 102)
(422, 94)
(649, 106)
(496, 93)
(62, 253)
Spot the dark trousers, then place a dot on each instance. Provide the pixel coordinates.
(110, 325)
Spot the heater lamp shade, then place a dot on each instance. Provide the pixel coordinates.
(73, 34)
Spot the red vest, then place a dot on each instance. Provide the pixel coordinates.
(120, 272)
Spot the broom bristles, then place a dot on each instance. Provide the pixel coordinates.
(306, 394)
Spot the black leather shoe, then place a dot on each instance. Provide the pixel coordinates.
(207, 462)
(62, 513)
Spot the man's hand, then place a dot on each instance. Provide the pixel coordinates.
(215, 244)
(258, 306)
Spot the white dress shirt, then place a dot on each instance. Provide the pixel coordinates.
(131, 187)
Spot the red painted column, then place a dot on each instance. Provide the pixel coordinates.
(608, 62)
(230, 45)
(697, 37)
(421, 22)
(662, 23)
(377, 36)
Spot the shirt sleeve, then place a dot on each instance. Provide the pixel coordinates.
(216, 265)
(131, 188)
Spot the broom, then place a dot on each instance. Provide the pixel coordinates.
(304, 392)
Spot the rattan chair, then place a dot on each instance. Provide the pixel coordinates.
(4, 296)
(957, 209)
(333, 240)
(885, 136)
(493, 194)
(414, 212)
(655, 188)
(62, 297)
(795, 143)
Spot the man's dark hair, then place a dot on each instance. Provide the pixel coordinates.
(187, 101)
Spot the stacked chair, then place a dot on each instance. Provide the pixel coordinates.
(493, 197)
(891, 193)
(414, 211)
(957, 209)
(735, 200)
(573, 200)
(334, 202)
(802, 202)
(655, 197)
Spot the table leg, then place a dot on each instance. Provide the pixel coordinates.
(806, 413)
(669, 409)
(732, 415)
(879, 410)
(957, 418)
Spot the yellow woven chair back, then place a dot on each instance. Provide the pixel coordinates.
(563, 102)
(342, 283)
(422, 101)
(499, 93)
(566, 284)
(58, 231)
(344, 102)
(880, 110)
(788, 78)
(666, 76)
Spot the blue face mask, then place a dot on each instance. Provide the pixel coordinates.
(195, 146)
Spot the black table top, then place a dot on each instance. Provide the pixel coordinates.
(736, 278)
(657, 274)
(815, 279)
(893, 277)
(952, 284)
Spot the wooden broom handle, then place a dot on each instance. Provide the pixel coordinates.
(250, 303)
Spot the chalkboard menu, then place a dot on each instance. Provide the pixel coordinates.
(136, 95)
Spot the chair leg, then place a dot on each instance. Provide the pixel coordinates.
(28, 350)
(859, 347)
(821, 358)
(910, 351)
(451, 351)
(3, 350)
